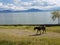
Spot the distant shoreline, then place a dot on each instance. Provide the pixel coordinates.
(24, 12)
(29, 24)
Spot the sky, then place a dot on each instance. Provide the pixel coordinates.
(28, 4)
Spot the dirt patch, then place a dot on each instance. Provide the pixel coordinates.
(18, 32)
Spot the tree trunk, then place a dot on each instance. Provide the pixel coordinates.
(58, 20)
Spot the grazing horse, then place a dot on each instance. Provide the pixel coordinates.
(39, 28)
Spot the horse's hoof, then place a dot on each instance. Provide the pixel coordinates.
(42, 33)
(36, 34)
(39, 34)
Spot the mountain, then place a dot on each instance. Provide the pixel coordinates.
(54, 9)
(32, 10)
(29, 10)
(6, 11)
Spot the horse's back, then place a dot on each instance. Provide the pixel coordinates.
(38, 28)
(43, 27)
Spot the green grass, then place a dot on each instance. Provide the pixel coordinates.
(31, 41)
(16, 27)
(53, 29)
(7, 39)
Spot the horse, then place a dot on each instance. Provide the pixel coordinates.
(40, 28)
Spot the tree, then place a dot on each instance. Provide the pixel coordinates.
(56, 14)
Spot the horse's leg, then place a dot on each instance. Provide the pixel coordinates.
(43, 32)
(45, 29)
(37, 32)
(40, 32)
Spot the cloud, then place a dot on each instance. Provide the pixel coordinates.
(27, 4)
(19, 8)
(10, 7)
(14, 7)
(35, 3)
(16, 1)
(1, 4)
(4, 7)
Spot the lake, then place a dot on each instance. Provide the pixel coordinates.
(27, 18)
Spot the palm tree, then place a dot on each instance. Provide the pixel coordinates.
(56, 14)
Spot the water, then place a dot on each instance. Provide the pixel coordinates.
(27, 18)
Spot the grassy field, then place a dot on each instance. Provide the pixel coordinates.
(52, 28)
(30, 41)
(10, 39)
(16, 27)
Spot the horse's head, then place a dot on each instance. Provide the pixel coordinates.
(34, 28)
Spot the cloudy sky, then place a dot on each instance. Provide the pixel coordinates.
(28, 4)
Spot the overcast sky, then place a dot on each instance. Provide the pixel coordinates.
(28, 4)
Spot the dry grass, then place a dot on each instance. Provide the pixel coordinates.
(7, 39)
(53, 29)
(11, 38)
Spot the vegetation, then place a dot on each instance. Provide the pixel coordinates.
(56, 14)
(8, 39)
(16, 27)
(51, 28)
(29, 40)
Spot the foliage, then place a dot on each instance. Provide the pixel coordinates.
(56, 14)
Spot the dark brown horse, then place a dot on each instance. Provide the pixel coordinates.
(40, 28)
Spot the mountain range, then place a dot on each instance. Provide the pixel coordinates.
(32, 10)
(29, 10)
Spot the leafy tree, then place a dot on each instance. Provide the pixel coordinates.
(56, 14)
